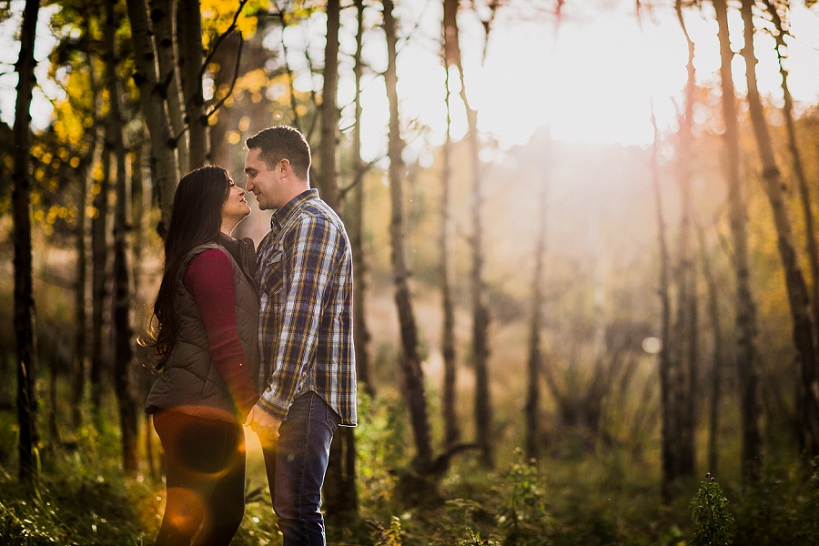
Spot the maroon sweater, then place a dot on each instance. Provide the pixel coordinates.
(209, 279)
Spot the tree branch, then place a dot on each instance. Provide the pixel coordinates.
(232, 83)
(219, 40)
(359, 176)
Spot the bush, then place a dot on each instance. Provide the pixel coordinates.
(712, 520)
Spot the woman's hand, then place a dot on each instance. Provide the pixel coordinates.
(264, 425)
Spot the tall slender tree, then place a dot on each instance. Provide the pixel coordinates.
(803, 331)
(189, 25)
(480, 307)
(717, 358)
(684, 370)
(328, 183)
(532, 408)
(121, 294)
(747, 352)
(667, 422)
(811, 245)
(451, 51)
(414, 389)
(79, 364)
(23, 285)
(357, 226)
(99, 266)
(165, 23)
(165, 167)
(339, 487)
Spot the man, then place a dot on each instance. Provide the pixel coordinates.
(305, 331)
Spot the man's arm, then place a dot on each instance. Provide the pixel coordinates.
(311, 250)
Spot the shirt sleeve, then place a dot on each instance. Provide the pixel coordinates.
(209, 278)
(310, 256)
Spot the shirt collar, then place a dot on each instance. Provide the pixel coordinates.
(281, 216)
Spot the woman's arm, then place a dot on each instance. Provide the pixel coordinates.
(210, 279)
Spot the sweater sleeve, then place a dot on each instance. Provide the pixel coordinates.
(209, 278)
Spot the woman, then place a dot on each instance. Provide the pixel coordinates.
(206, 312)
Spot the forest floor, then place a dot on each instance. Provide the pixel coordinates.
(591, 498)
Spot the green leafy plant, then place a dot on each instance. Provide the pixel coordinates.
(524, 517)
(712, 520)
(388, 537)
(476, 540)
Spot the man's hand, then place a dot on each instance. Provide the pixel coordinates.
(264, 425)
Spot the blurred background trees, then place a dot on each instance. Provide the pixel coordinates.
(647, 299)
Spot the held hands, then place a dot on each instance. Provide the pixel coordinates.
(264, 425)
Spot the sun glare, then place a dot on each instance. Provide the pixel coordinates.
(593, 80)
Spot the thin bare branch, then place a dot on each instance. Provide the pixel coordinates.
(232, 83)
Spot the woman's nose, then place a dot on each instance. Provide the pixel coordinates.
(242, 191)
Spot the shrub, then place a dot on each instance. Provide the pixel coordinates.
(712, 520)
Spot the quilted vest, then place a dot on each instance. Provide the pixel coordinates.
(189, 381)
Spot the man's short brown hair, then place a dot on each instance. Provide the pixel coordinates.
(283, 142)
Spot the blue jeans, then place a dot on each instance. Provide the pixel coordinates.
(296, 468)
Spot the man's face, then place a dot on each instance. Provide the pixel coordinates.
(265, 183)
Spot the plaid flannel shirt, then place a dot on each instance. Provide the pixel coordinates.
(305, 276)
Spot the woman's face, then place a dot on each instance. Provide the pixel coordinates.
(235, 207)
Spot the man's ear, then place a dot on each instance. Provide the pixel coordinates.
(284, 164)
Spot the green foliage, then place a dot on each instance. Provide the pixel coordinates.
(712, 520)
(475, 540)
(779, 510)
(811, 507)
(382, 440)
(258, 526)
(387, 536)
(524, 518)
(76, 504)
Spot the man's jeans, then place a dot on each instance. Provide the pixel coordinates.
(296, 468)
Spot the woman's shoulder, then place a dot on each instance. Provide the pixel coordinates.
(211, 259)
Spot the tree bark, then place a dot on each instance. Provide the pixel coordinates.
(340, 487)
(684, 371)
(668, 425)
(164, 24)
(291, 78)
(803, 331)
(361, 331)
(80, 363)
(717, 356)
(121, 299)
(747, 354)
(811, 245)
(480, 308)
(99, 274)
(452, 432)
(139, 206)
(191, 50)
(328, 184)
(410, 357)
(154, 111)
(535, 352)
(23, 284)
(340, 493)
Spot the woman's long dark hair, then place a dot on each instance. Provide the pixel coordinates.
(196, 218)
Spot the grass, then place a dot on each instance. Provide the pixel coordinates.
(598, 498)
